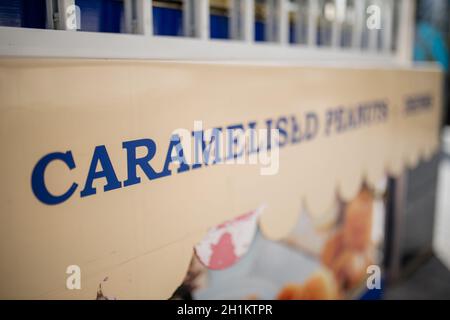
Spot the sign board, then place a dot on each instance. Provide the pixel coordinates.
(95, 172)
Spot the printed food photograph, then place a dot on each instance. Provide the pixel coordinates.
(321, 259)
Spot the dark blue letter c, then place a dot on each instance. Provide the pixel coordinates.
(38, 182)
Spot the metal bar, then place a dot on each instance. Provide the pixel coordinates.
(405, 36)
(50, 22)
(373, 40)
(128, 16)
(144, 17)
(373, 33)
(336, 32)
(196, 18)
(65, 7)
(61, 15)
(299, 15)
(358, 24)
(282, 21)
(249, 21)
(235, 19)
(271, 21)
(313, 14)
(388, 15)
(359, 15)
(201, 22)
(188, 18)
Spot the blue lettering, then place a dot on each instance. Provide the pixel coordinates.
(100, 156)
(133, 162)
(175, 142)
(38, 182)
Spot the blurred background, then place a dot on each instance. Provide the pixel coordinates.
(417, 244)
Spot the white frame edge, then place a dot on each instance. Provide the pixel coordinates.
(23, 42)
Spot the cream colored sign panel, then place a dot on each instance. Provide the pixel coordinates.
(92, 178)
